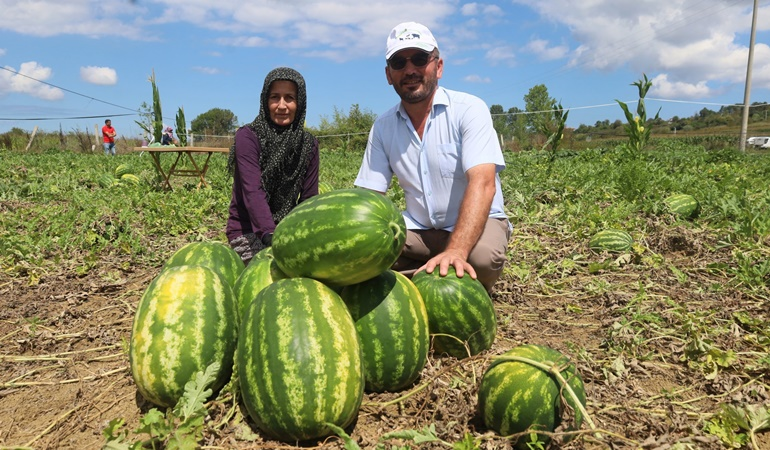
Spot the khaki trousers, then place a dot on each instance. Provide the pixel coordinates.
(487, 258)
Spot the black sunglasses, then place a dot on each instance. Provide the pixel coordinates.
(419, 60)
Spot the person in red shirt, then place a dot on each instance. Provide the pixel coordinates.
(108, 133)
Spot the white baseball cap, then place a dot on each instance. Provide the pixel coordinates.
(409, 35)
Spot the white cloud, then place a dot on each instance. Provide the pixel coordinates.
(477, 79)
(501, 55)
(2, 52)
(540, 47)
(207, 70)
(27, 80)
(689, 40)
(663, 88)
(475, 9)
(105, 76)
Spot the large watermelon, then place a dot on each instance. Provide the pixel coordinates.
(219, 257)
(517, 396)
(299, 361)
(341, 237)
(459, 308)
(611, 240)
(260, 273)
(683, 205)
(392, 323)
(184, 322)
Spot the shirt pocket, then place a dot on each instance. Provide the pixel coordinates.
(449, 162)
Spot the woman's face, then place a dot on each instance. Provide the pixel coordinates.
(282, 102)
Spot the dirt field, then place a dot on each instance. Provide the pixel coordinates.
(64, 364)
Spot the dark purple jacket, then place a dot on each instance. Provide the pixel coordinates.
(249, 211)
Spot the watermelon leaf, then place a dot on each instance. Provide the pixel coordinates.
(196, 391)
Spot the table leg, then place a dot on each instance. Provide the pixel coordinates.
(156, 161)
(201, 174)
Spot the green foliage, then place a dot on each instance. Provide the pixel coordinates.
(637, 130)
(180, 428)
(215, 122)
(181, 127)
(346, 132)
(737, 425)
(538, 106)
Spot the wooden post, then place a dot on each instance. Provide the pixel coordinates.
(34, 132)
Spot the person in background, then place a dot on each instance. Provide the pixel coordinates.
(108, 138)
(168, 137)
(274, 163)
(442, 148)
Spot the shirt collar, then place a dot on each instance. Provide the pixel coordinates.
(439, 98)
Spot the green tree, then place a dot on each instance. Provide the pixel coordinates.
(539, 106)
(215, 122)
(345, 131)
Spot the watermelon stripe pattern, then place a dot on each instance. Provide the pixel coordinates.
(342, 237)
(611, 240)
(683, 205)
(392, 323)
(260, 273)
(184, 322)
(217, 256)
(460, 308)
(515, 396)
(299, 361)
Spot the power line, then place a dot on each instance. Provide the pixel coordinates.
(70, 118)
(67, 90)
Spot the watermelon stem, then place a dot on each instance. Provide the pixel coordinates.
(555, 370)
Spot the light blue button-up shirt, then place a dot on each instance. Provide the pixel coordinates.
(458, 136)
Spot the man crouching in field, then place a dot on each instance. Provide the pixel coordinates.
(443, 149)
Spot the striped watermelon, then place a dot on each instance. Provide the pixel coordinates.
(324, 187)
(610, 240)
(341, 237)
(262, 254)
(215, 255)
(260, 273)
(184, 322)
(392, 323)
(123, 169)
(106, 180)
(130, 179)
(459, 308)
(516, 396)
(299, 361)
(683, 205)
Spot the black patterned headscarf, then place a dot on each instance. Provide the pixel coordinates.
(286, 150)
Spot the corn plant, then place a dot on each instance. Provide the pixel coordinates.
(638, 134)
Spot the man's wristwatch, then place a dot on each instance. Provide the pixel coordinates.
(267, 239)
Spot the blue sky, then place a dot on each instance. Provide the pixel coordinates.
(81, 58)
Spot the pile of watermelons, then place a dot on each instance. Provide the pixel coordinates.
(319, 318)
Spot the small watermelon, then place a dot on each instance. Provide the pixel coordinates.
(219, 257)
(516, 396)
(683, 205)
(610, 240)
(392, 322)
(460, 312)
(123, 169)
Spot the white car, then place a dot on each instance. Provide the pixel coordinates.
(758, 141)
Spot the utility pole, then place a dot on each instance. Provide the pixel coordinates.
(747, 93)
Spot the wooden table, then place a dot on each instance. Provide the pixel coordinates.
(197, 170)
